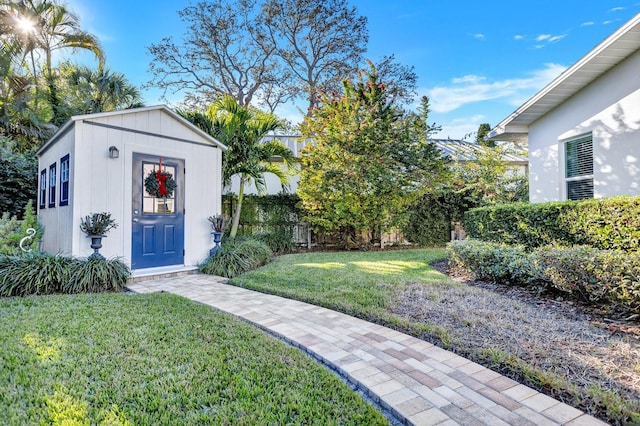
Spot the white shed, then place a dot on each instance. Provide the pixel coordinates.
(98, 163)
(583, 128)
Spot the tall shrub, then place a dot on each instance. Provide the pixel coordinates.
(608, 223)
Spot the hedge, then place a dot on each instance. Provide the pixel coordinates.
(607, 278)
(608, 223)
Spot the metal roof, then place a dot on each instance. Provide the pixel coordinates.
(465, 151)
(613, 50)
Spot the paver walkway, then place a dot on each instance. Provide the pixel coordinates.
(416, 381)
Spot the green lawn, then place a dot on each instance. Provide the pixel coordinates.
(158, 359)
(558, 352)
(361, 284)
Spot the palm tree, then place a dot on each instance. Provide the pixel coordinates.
(241, 129)
(84, 90)
(46, 25)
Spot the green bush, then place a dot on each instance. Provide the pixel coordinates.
(429, 223)
(13, 230)
(19, 177)
(609, 223)
(608, 278)
(493, 261)
(279, 240)
(41, 273)
(237, 256)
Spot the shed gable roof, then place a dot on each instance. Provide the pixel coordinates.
(87, 117)
(605, 56)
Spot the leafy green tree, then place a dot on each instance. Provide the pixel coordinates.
(486, 181)
(483, 131)
(368, 162)
(18, 174)
(241, 129)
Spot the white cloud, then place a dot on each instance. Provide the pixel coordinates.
(460, 128)
(471, 88)
(479, 36)
(588, 23)
(550, 38)
(556, 38)
(518, 37)
(472, 79)
(616, 9)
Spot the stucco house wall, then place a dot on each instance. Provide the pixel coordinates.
(594, 105)
(99, 183)
(609, 108)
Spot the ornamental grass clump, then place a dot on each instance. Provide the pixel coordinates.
(237, 256)
(42, 273)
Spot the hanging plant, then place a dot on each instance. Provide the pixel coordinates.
(160, 184)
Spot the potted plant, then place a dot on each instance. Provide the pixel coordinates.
(96, 225)
(217, 227)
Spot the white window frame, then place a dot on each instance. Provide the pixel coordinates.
(583, 177)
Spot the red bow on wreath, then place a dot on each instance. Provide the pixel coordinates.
(162, 179)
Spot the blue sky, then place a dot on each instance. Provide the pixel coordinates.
(477, 61)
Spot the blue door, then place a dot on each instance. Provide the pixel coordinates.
(157, 222)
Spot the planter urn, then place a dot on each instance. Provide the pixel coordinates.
(217, 237)
(96, 245)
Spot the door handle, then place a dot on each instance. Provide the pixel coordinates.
(136, 220)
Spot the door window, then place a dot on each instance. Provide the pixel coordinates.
(157, 205)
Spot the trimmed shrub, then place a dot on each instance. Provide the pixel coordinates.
(41, 273)
(608, 278)
(608, 223)
(237, 256)
(493, 261)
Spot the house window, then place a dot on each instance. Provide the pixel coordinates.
(579, 168)
(52, 185)
(43, 189)
(64, 180)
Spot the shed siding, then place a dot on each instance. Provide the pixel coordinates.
(58, 220)
(100, 183)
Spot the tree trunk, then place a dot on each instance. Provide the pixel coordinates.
(236, 214)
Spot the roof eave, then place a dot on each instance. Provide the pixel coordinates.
(586, 70)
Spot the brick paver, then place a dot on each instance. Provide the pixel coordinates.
(420, 384)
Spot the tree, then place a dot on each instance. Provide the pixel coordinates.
(483, 131)
(241, 129)
(19, 120)
(225, 51)
(404, 78)
(84, 90)
(321, 43)
(47, 26)
(18, 176)
(370, 159)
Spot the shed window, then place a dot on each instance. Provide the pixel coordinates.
(579, 168)
(52, 185)
(64, 180)
(43, 189)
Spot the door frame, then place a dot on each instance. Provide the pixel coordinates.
(136, 209)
